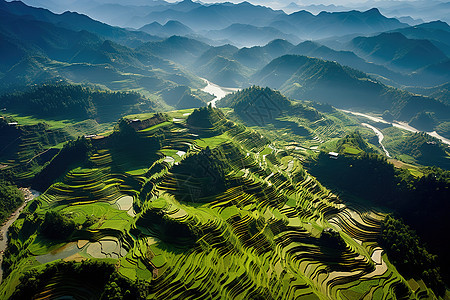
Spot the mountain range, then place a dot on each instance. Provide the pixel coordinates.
(306, 78)
(195, 150)
(48, 46)
(168, 29)
(397, 51)
(36, 51)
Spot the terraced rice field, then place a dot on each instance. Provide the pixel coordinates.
(214, 212)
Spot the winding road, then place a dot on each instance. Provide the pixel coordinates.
(29, 195)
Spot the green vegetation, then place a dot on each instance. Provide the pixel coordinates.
(30, 144)
(417, 148)
(99, 279)
(165, 194)
(57, 226)
(333, 239)
(194, 204)
(255, 105)
(424, 121)
(65, 101)
(420, 201)
(353, 144)
(10, 198)
(181, 206)
(409, 256)
(306, 78)
(72, 154)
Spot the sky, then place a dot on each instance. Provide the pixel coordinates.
(310, 2)
(417, 9)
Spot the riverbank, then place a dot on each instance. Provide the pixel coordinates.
(380, 137)
(28, 196)
(401, 125)
(218, 91)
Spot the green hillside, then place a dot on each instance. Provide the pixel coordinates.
(44, 50)
(197, 206)
(65, 101)
(417, 148)
(305, 78)
(397, 51)
(418, 199)
(298, 175)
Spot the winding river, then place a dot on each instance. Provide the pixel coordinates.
(29, 195)
(218, 91)
(401, 125)
(380, 137)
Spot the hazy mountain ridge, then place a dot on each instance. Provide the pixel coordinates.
(234, 67)
(249, 35)
(397, 51)
(306, 78)
(327, 24)
(213, 19)
(168, 29)
(38, 51)
(437, 32)
(77, 22)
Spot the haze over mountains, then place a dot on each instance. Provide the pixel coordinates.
(175, 47)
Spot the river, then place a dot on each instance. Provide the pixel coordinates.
(28, 195)
(401, 125)
(380, 137)
(218, 91)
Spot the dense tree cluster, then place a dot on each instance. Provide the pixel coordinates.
(333, 239)
(57, 225)
(408, 254)
(100, 279)
(421, 201)
(10, 198)
(424, 121)
(425, 149)
(56, 100)
(208, 120)
(206, 170)
(353, 140)
(256, 105)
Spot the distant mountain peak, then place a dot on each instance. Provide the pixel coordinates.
(395, 36)
(277, 41)
(301, 13)
(309, 42)
(435, 25)
(246, 3)
(373, 11)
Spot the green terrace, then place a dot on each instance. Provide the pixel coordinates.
(200, 207)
